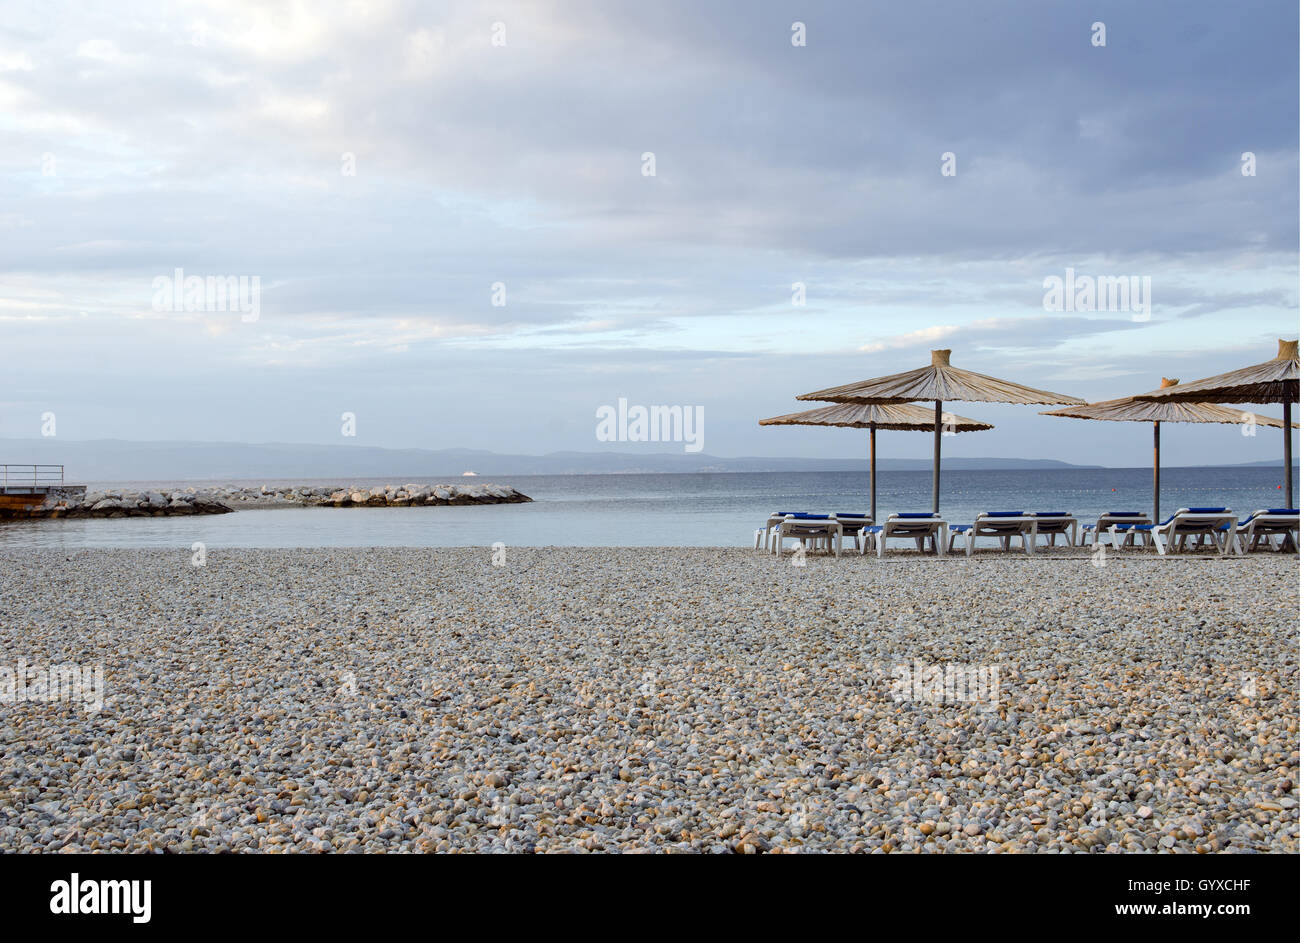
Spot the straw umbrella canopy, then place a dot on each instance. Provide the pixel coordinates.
(1135, 409)
(873, 416)
(1273, 381)
(939, 382)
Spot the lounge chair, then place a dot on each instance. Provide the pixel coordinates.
(1051, 523)
(817, 528)
(853, 523)
(919, 527)
(1265, 525)
(1003, 525)
(1116, 523)
(1219, 524)
(763, 535)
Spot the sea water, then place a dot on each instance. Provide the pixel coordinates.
(709, 510)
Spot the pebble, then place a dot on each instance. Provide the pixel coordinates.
(648, 699)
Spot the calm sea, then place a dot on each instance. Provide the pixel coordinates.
(707, 510)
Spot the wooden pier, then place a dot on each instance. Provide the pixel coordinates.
(24, 487)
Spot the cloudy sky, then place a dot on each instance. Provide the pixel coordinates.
(381, 166)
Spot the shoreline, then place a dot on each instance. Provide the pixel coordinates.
(630, 699)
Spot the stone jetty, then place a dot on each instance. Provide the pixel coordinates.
(76, 502)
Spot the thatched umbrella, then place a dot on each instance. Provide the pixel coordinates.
(1135, 409)
(939, 382)
(1273, 381)
(874, 416)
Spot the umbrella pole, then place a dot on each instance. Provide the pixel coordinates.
(938, 441)
(873, 473)
(1286, 451)
(1155, 518)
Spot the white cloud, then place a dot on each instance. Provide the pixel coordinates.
(209, 137)
(926, 335)
(15, 61)
(101, 50)
(300, 108)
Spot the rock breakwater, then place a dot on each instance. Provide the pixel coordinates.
(221, 500)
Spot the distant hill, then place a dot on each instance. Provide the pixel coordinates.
(105, 460)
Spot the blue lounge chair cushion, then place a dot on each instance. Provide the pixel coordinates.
(1172, 516)
(1208, 510)
(1123, 514)
(1283, 511)
(850, 514)
(929, 514)
(1283, 525)
(1004, 513)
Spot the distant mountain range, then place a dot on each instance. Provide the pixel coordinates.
(105, 460)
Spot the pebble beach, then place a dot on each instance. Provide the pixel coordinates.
(642, 699)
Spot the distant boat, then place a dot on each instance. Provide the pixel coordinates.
(469, 474)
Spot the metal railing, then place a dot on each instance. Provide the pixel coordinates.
(30, 477)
